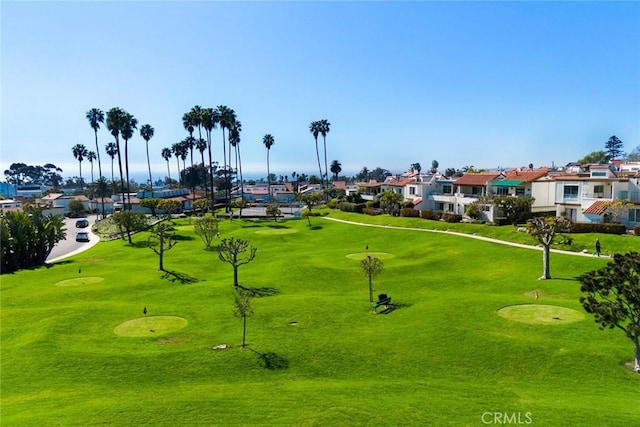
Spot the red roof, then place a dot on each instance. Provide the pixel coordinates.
(481, 178)
(527, 175)
(598, 207)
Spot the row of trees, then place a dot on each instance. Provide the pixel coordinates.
(27, 238)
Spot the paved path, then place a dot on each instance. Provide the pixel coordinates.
(470, 236)
(69, 246)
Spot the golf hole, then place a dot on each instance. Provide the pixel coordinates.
(540, 314)
(150, 326)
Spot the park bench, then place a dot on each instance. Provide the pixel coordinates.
(383, 301)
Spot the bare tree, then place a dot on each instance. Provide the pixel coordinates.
(161, 241)
(544, 230)
(243, 309)
(236, 252)
(207, 228)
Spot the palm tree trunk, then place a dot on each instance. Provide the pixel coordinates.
(268, 178)
(241, 179)
(126, 164)
(168, 170)
(149, 164)
(318, 156)
(326, 170)
(81, 183)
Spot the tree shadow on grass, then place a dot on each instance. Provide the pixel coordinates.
(278, 226)
(178, 237)
(315, 227)
(271, 360)
(265, 291)
(175, 276)
(393, 307)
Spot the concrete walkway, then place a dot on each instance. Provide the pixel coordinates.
(470, 236)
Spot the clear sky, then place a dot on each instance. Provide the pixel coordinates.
(482, 84)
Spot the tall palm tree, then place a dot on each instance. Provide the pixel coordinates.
(184, 153)
(95, 117)
(166, 154)
(188, 121)
(114, 124)
(128, 125)
(111, 149)
(324, 130)
(336, 168)
(268, 142)
(208, 122)
(315, 128)
(176, 149)
(234, 140)
(146, 132)
(225, 116)
(91, 156)
(201, 146)
(80, 152)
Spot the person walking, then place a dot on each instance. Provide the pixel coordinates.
(597, 253)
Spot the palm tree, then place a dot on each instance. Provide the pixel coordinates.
(176, 149)
(111, 150)
(315, 128)
(95, 117)
(146, 132)
(189, 121)
(268, 141)
(201, 146)
(114, 124)
(80, 152)
(336, 168)
(324, 130)
(225, 116)
(91, 156)
(166, 154)
(129, 123)
(208, 122)
(234, 140)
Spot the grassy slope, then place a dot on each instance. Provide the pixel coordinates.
(442, 357)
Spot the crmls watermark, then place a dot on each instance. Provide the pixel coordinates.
(513, 418)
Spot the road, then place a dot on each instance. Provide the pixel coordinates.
(69, 246)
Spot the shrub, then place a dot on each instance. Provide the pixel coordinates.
(433, 215)
(607, 228)
(636, 230)
(500, 221)
(410, 212)
(333, 204)
(451, 217)
(348, 207)
(370, 211)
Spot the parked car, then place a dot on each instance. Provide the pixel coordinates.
(82, 223)
(82, 236)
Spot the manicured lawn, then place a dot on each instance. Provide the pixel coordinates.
(317, 355)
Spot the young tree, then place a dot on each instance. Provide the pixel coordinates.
(613, 297)
(273, 211)
(311, 200)
(515, 209)
(150, 203)
(371, 266)
(202, 205)
(129, 222)
(207, 228)
(160, 241)
(389, 199)
(236, 252)
(544, 230)
(616, 209)
(170, 206)
(243, 309)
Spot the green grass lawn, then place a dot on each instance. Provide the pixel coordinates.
(317, 355)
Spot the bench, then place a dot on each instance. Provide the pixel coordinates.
(383, 301)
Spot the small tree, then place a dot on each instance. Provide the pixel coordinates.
(311, 200)
(371, 266)
(243, 309)
(613, 147)
(170, 206)
(207, 228)
(202, 205)
(236, 252)
(273, 211)
(613, 297)
(76, 208)
(515, 209)
(544, 230)
(129, 222)
(389, 199)
(617, 208)
(151, 203)
(161, 241)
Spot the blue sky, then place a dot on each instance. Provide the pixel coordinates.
(486, 84)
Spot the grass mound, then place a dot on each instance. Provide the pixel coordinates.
(80, 281)
(150, 326)
(540, 314)
(363, 255)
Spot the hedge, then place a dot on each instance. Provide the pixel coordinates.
(451, 217)
(410, 212)
(370, 211)
(434, 215)
(607, 228)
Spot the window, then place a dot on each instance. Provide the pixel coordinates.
(599, 173)
(412, 190)
(634, 215)
(598, 190)
(502, 191)
(570, 191)
(477, 190)
(447, 189)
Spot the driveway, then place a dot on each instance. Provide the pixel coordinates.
(68, 247)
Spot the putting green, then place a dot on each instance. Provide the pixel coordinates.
(277, 231)
(150, 326)
(540, 314)
(363, 255)
(79, 281)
